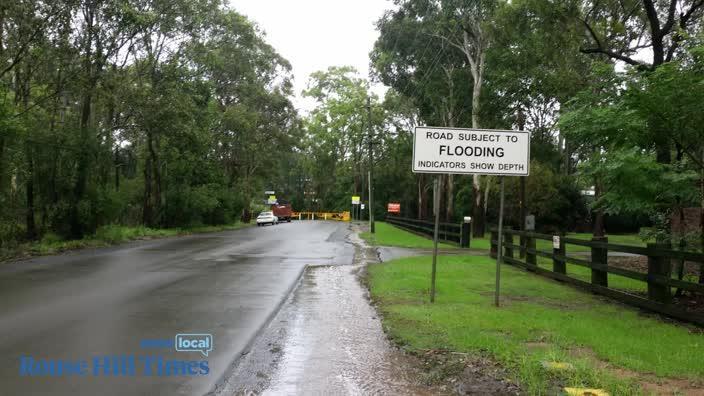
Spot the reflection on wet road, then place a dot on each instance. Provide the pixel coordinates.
(326, 340)
(102, 302)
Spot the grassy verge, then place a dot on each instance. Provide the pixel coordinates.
(608, 345)
(388, 235)
(104, 236)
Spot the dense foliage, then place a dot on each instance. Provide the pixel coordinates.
(611, 92)
(170, 113)
(157, 112)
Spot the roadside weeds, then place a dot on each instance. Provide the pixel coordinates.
(105, 236)
(540, 321)
(462, 373)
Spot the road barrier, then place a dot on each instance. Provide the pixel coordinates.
(337, 216)
(659, 280)
(449, 232)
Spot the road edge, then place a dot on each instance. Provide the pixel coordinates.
(239, 355)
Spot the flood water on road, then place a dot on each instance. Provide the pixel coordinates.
(326, 339)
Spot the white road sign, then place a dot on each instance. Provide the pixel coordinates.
(471, 151)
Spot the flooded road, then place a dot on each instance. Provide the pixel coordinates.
(87, 306)
(326, 339)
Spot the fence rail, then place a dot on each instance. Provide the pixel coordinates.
(449, 232)
(658, 279)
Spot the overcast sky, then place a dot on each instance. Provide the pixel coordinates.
(316, 34)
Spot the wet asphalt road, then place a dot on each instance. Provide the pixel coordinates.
(102, 302)
(327, 340)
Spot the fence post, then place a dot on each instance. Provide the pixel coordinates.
(508, 240)
(558, 264)
(680, 266)
(493, 253)
(530, 257)
(464, 233)
(600, 258)
(658, 265)
(523, 242)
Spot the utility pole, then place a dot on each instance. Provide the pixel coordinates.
(371, 166)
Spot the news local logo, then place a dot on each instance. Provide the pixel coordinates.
(202, 343)
(130, 364)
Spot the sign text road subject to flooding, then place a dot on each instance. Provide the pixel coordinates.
(474, 151)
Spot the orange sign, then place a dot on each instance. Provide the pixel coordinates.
(394, 207)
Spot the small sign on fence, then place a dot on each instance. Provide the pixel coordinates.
(530, 223)
(394, 207)
(555, 242)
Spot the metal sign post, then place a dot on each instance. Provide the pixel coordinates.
(371, 204)
(356, 200)
(500, 253)
(436, 212)
(470, 151)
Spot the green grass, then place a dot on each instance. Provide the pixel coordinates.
(388, 235)
(535, 312)
(104, 236)
(480, 243)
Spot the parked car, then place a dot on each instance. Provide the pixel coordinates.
(267, 218)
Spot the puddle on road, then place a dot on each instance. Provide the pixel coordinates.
(326, 339)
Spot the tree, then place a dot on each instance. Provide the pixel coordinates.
(621, 30)
(135, 112)
(337, 135)
(611, 121)
(435, 82)
(536, 68)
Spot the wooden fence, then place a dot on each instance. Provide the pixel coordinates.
(449, 232)
(658, 278)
